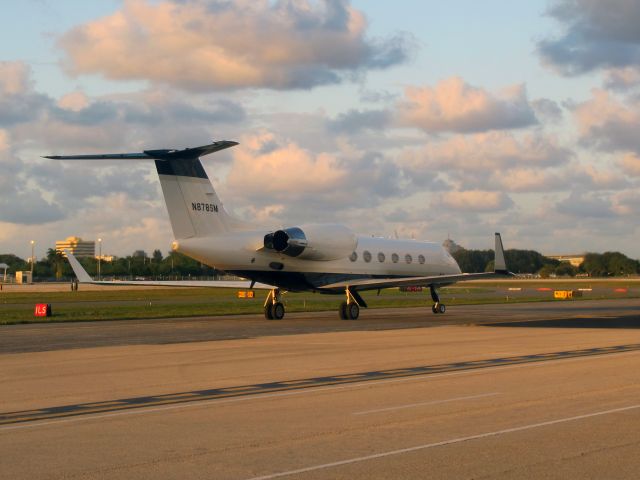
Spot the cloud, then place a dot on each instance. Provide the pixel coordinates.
(472, 160)
(455, 106)
(20, 201)
(14, 78)
(271, 175)
(474, 201)
(18, 102)
(607, 123)
(525, 180)
(586, 205)
(203, 45)
(626, 203)
(547, 110)
(356, 120)
(622, 79)
(630, 164)
(596, 35)
(4, 141)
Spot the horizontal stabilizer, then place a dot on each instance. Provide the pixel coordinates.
(84, 277)
(187, 153)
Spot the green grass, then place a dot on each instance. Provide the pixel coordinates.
(17, 307)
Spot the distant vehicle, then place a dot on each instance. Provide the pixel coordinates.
(324, 258)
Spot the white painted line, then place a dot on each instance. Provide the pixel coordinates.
(445, 442)
(310, 390)
(433, 402)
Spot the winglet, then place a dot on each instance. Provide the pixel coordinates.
(500, 265)
(81, 273)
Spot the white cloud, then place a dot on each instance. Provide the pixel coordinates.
(14, 78)
(476, 161)
(210, 45)
(474, 201)
(608, 123)
(455, 106)
(630, 164)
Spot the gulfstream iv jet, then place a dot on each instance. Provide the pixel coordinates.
(324, 258)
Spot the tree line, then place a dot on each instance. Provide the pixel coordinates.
(54, 266)
(608, 264)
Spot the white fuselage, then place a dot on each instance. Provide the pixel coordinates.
(242, 253)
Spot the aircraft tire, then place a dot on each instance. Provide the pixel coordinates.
(353, 311)
(442, 308)
(434, 309)
(268, 312)
(342, 311)
(277, 311)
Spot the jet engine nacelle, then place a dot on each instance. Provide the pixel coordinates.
(313, 242)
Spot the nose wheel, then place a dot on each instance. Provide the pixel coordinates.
(437, 306)
(273, 306)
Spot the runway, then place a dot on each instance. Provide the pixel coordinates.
(545, 392)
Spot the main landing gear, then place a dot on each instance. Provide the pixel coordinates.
(350, 310)
(273, 306)
(437, 306)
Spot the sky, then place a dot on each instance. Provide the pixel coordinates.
(420, 119)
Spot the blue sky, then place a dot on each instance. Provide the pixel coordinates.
(424, 118)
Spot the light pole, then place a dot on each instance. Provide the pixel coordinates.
(33, 243)
(99, 256)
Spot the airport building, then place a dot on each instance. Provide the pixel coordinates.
(575, 260)
(77, 246)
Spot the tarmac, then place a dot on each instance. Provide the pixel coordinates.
(545, 390)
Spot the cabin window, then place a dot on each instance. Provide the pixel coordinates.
(353, 257)
(366, 255)
(381, 257)
(408, 258)
(395, 258)
(421, 259)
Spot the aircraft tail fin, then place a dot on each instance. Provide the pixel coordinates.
(194, 208)
(500, 264)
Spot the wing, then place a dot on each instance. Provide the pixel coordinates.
(440, 280)
(500, 271)
(84, 277)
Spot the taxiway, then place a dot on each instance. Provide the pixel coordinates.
(536, 391)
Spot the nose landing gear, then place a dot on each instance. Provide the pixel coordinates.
(273, 306)
(437, 306)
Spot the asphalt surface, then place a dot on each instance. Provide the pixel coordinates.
(522, 391)
(59, 336)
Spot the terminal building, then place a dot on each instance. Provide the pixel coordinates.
(78, 247)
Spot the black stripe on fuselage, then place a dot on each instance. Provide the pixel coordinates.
(183, 167)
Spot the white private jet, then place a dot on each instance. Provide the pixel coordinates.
(324, 258)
